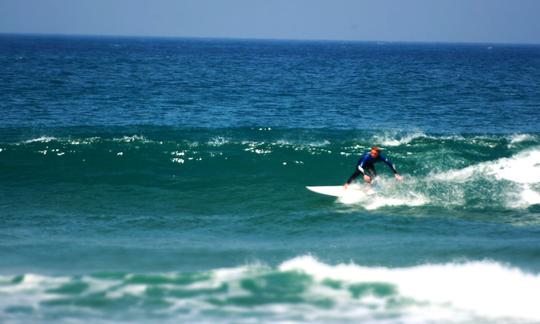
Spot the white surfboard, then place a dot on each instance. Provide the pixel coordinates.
(340, 191)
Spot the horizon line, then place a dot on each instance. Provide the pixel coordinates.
(232, 38)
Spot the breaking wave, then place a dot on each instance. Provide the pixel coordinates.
(302, 289)
(448, 171)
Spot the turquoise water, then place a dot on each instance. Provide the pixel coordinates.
(164, 180)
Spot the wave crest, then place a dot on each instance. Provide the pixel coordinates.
(300, 289)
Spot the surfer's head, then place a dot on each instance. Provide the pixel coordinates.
(375, 151)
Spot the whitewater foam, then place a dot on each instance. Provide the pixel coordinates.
(132, 138)
(385, 193)
(396, 139)
(379, 200)
(522, 170)
(510, 182)
(486, 288)
(41, 139)
(302, 289)
(218, 141)
(527, 197)
(519, 138)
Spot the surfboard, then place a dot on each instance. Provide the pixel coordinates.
(340, 191)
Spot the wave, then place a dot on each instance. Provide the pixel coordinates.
(396, 138)
(520, 138)
(302, 289)
(485, 288)
(522, 169)
(512, 182)
(285, 137)
(447, 171)
(41, 139)
(384, 193)
(400, 138)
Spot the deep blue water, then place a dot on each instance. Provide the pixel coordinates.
(69, 81)
(164, 180)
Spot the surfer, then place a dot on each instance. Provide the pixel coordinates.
(366, 166)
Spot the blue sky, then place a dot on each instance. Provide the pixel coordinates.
(385, 20)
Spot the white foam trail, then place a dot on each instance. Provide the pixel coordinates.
(523, 167)
(133, 138)
(518, 138)
(41, 139)
(375, 201)
(383, 202)
(218, 141)
(90, 140)
(84, 141)
(486, 288)
(521, 173)
(527, 197)
(301, 144)
(395, 139)
(384, 194)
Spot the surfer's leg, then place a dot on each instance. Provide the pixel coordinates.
(354, 176)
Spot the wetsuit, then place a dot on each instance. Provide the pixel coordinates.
(366, 166)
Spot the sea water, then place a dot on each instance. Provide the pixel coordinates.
(163, 180)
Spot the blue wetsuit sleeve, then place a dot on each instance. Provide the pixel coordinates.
(389, 163)
(362, 163)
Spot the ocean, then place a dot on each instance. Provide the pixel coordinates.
(163, 180)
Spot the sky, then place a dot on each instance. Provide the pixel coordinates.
(485, 21)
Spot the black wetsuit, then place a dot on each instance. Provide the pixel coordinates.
(366, 166)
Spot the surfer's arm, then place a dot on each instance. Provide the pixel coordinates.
(390, 164)
(392, 167)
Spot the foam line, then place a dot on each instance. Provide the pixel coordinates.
(299, 289)
(486, 288)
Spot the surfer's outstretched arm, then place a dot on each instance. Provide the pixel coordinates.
(389, 163)
(392, 167)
